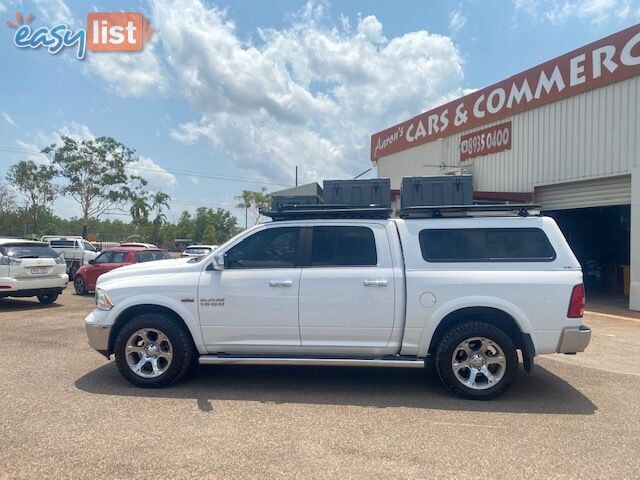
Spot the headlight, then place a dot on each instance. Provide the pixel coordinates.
(60, 260)
(103, 302)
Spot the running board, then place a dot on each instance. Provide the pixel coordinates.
(329, 362)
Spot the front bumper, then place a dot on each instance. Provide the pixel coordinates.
(98, 331)
(574, 339)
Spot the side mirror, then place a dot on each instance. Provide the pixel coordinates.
(219, 261)
(92, 261)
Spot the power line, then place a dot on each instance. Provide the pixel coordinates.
(187, 173)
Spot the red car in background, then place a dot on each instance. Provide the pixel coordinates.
(87, 275)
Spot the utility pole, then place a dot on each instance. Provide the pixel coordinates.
(296, 175)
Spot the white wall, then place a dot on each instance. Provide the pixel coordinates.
(634, 288)
(594, 134)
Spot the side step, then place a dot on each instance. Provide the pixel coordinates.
(328, 362)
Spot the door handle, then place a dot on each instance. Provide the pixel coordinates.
(280, 283)
(375, 283)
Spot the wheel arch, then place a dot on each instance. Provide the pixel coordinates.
(139, 309)
(513, 324)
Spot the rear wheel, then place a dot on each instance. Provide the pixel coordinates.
(476, 360)
(78, 284)
(153, 350)
(47, 298)
(73, 269)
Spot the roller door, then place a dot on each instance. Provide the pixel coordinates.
(586, 193)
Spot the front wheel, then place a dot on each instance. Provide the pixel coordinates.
(153, 350)
(476, 360)
(47, 298)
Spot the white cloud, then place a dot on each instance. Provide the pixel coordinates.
(596, 12)
(158, 179)
(309, 94)
(457, 20)
(130, 74)
(54, 12)
(8, 119)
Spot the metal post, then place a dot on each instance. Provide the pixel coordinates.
(296, 175)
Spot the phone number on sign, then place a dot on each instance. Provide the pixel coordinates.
(484, 142)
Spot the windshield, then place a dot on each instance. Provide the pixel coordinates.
(198, 250)
(152, 255)
(28, 250)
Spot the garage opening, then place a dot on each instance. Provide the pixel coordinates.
(601, 239)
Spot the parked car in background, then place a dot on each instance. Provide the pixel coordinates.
(31, 269)
(198, 250)
(75, 250)
(86, 276)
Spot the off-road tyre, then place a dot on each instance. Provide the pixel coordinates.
(183, 350)
(459, 334)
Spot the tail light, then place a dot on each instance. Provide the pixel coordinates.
(576, 304)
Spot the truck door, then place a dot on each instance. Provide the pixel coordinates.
(347, 299)
(253, 302)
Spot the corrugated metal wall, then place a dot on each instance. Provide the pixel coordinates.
(591, 135)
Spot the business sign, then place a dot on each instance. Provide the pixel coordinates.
(106, 31)
(494, 139)
(605, 61)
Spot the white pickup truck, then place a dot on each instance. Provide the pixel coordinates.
(469, 291)
(75, 250)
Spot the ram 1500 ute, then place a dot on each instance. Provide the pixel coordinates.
(468, 291)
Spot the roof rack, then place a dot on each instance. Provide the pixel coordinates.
(439, 211)
(309, 212)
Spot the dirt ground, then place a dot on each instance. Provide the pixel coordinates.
(65, 412)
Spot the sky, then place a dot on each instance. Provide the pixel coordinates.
(232, 95)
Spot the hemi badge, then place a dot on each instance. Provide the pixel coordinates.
(188, 300)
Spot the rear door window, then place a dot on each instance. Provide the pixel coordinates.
(344, 246)
(486, 245)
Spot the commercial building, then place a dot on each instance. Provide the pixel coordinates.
(564, 134)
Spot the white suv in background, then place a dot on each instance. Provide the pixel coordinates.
(29, 269)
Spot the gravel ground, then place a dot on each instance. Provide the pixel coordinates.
(65, 412)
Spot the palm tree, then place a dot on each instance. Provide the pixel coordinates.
(254, 201)
(139, 210)
(159, 200)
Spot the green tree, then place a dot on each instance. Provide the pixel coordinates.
(184, 228)
(252, 202)
(35, 183)
(159, 201)
(140, 210)
(209, 235)
(96, 175)
(9, 212)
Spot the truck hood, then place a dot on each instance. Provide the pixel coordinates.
(158, 267)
